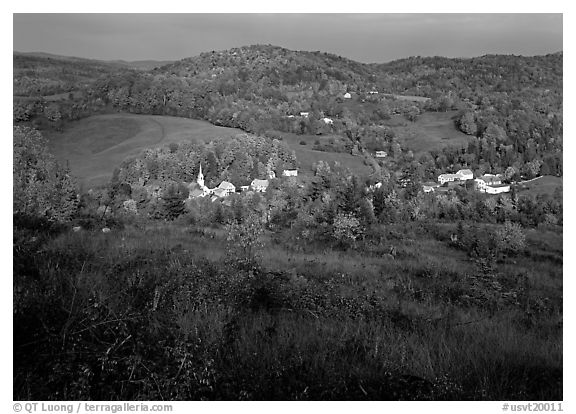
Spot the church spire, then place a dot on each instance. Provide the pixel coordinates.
(200, 179)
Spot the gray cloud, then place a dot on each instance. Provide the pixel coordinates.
(363, 37)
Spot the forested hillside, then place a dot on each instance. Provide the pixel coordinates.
(509, 106)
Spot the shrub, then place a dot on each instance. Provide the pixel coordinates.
(346, 229)
(243, 242)
(510, 238)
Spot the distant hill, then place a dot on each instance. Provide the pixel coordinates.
(137, 64)
(143, 64)
(42, 74)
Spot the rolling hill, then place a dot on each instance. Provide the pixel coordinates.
(94, 146)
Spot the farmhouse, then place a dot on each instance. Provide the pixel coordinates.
(289, 173)
(465, 174)
(219, 193)
(381, 154)
(461, 175)
(304, 114)
(429, 187)
(347, 95)
(497, 189)
(328, 121)
(446, 178)
(492, 179)
(227, 187)
(259, 185)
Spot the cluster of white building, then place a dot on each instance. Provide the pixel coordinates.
(488, 183)
(199, 189)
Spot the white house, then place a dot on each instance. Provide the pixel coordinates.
(445, 178)
(489, 186)
(259, 185)
(492, 179)
(381, 154)
(328, 121)
(373, 92)
(480, 184)
(465, 174)
(227, 187)
(290, 173)
(219, 193)
(428, 188)
(347, 95)
(304, 114)
(497, 189)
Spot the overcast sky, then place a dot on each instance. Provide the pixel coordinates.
(362, 37)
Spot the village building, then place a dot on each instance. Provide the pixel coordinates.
(491, 184)
(381, 154)
(492, 179)
(446, 178)
(304, 114)
(227, 187)
(465, 174)
(259, 185)
(347, 95)
(498, 189)
(290, 173)
(373, 92)
(429, 187)
(219, 193)
(328, 121)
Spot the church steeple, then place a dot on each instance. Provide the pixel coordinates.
(200, 179)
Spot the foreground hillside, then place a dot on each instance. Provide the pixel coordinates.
(168, 312)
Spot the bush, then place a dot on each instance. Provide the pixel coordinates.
(346, 229)
(243, 242)
(510, 238)
(302, 142)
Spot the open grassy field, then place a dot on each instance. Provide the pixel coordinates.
(546, 184)
(94, 146)
(432, 130)
(307, 156)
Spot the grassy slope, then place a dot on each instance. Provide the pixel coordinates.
(432, 130)
(94, 146)
(543, 185)
(385, 320)
(306, 156)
